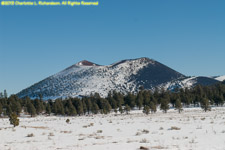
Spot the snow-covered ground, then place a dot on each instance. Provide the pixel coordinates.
(192, 129)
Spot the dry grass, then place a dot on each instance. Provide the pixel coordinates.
(158, 147)
(203, 118)
(51, 134)
(99, 137)
(35, 127)
(144, 141)
(174, 128)
(30, 135)
(138, 133)
(99, 131)
(145, 131)
(65, 131)
(144, 148)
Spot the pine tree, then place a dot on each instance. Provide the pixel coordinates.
(84, 107)
(18, 108)
(119, 98)
(31, 109)
(139, 100)
(13, 119)
(205, 105)
(146, 97)
(178, 105)
(1, 95)
(146, 110)
(71, 109)
(115, 110)
(38, 105)
(130, 100)
(95, 108)
(5, 94)
(120, 109)
(89, 105)
(219, 99)
(127, 109)
(152, 107)
(106, 107)
(1, 109)
(13, 102)
(8, 110)
(164, 105)
(58, 107)
(48, 109)
(80, 108)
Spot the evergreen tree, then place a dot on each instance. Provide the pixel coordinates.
(38, 105)
(173, 99)
(219, 100)
(152, 107)
(139, 100)
(107, 107)
(146, 97)
(8, 110)
(5, 94)
(130, 100)
(80, 108)
(178, 105)
(164, 105)
(95, 108)
(1, 95)
(1, 109)
(84, 107)
(205, 105)
(113, 103)
(115, 110)
(154, 100)
(31, 109)
(89, 105)
(48, 109)
(127, 108)
(58, 107)
(197, 100)
(18, 108)
(119, 98)
(13, 119)
(120, 109)
(146, 109)
(71, 109)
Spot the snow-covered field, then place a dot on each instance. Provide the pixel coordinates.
(192, 129)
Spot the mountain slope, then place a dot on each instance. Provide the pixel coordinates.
(189, 82)
(220, 78)
(85, 78)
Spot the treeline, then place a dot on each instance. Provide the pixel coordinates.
(148, 101)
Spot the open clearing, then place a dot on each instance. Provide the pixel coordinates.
(192, 129)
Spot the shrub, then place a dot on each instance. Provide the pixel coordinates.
(174, 128)
(144, 141)
(30, 135)
(99, 131)
(13, 119)
(144, 148)
(67, 120)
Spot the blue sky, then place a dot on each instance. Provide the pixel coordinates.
(36, 42)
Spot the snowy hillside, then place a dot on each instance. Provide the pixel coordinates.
(220, 78)
(85, 78)
(188, 82)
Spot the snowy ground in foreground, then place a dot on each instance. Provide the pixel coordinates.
(198, 130)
